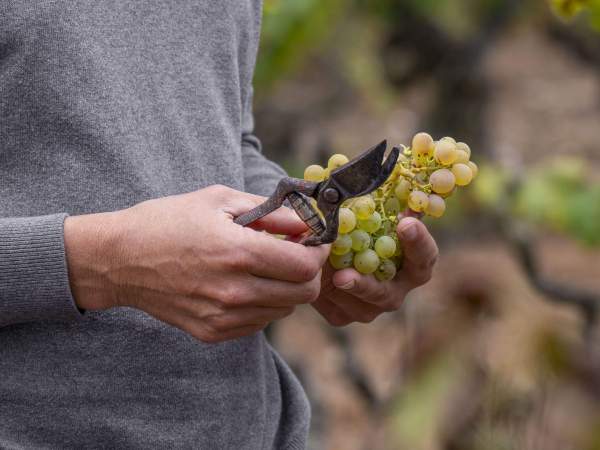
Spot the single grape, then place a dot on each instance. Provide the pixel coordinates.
(364, 207)
(337, 161)
(385, 246)
(347, 221)
(422, 143)
(392, 206)
(417, 201)
(372, 224)
(445, 152)
(474, 168)
(422, 147)
(464, 147)
(402, 190)
(462, 173)
(366, 262)
(386, 270)
(340, 262)
(461, 157)
(314, 173)
(341, 245)
(442, 181)
(436, 206)
(387, 227)
(361, 240)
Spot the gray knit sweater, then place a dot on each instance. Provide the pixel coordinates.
(103, 104)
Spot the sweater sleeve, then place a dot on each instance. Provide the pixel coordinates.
(34, 281)
(261, 175)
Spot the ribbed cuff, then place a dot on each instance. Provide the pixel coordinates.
(34, 281)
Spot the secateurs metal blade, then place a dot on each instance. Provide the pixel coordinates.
(358, 177)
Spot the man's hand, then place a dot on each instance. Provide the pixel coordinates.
(347, 296)
(184, 261)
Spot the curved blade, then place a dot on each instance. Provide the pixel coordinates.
(366, 173)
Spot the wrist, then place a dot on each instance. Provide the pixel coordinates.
(91, 243)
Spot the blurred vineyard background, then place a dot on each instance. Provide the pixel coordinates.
(500, 350)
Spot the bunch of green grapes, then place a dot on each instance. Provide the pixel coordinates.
(425, 175)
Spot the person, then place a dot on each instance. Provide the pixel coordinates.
(131, 305)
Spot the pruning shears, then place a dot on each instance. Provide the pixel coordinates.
(358, 177)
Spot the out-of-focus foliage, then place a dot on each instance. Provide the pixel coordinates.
(559, 196)
(459, 18)
(291, 29)
(568, 9)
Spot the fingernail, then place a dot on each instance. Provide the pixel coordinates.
(349, 285)
(409, 232)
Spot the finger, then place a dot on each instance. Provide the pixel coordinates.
(365, 287)
(220, 325)
(332, 313)
(278, 259)
(420, 252)
(236, 333)
(281, 221)
(245, 317)
(247, 290)
(355, 308)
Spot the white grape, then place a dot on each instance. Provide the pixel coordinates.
(347, 221)
(364, 207)
(385, 246)
(366, 262)
(361, 240)
(417, 201)
(402, 190)
(474, 168)
(386, 270)
(442, 181)
(341, 245)
(422, 147)
(462, 173)
(461, 157)
(392, 206)
(371, 224)
(337, 161)
(340, 262)
(445, 152)
(464, 147)
(436, 206)
(314, 173)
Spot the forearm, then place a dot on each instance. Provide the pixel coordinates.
(92, 248)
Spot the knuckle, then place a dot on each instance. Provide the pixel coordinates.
(239, 260)
(218, 322)
(208, 336)
(308, 270)
(312, 291)
(232, 295)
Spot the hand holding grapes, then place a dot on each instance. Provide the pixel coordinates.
(371, 239)
(183, 260)
(348, 296)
